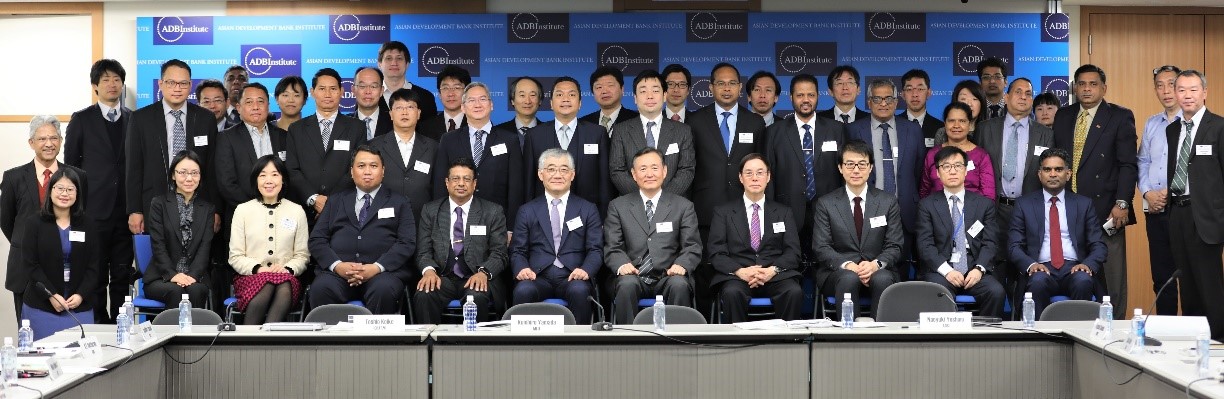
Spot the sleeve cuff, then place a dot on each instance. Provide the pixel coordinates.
(332, 268)
(381, 269)
(981, 268)
(843, 265)
(1029, 269)
(426, 269)
(944, 269)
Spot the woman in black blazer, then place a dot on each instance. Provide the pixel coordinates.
(180, 229)
(60, 257)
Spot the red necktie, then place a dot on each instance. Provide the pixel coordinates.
(1056, 249)
(42, 188)
(858, 217)
(451, 124)
(675, 117)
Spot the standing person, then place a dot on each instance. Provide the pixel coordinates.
(393, 60)
(677, 80)
(992, 74)
(266, 283)
(320, 147)
(1154, 186)
(235, 78)
(409, 156)
(979, 176)
(916, 89)
(211, 95)
(843, 85)
(526, 96)
(674, 140)
(763, 88)
(59, 242)
(1045, 106)
(291, 96)
(607, 84)
(970, 93)
(586, 142)
(181, 233)
(371, 109)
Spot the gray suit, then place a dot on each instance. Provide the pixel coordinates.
(834, 242)
(628, 236)
(990, 135)
(629, 137)
(486, 251)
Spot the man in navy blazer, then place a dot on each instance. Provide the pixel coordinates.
(499, 159)
(1056, 266)
(586, 142)
(558, 240)
(317, 161)
(363, 241)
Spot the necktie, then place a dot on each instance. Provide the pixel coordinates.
(180, 133)
(565, 136)
(1056, 249)
(958, 237)
(113, 115)
(890, 175)
(726, 130)
(994, 110)
(675, 117)
(554, 216)
(327, 130)
(1009, 153)
(457, 242)
(365, 210)
(845, 118)
(606, 122)
(478, 147)
(1081, 134)
(809, 160)
(650, 139)
(42, 188)
(369, 128)
(1181, 176)
(233, 119)
(450, 125)
(858, 217)
(648, 261)
(754, 228)
(919, 122)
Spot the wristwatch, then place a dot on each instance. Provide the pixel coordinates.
(883, 265)
(1122, 204)
(775, 269)
(486, 273)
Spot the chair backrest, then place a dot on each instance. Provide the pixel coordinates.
(902, 302)
(1071, 310)
(541, 308)
(144, 251)
(203, 317)
(675, 315)
(335, 313)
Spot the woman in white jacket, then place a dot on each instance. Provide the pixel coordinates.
(267, 247)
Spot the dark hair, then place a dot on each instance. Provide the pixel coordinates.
(464, 162)
(975, 89)
(314, 82)
(1089, 68)
(839, 70)
(673, 68)
(259, 86)
(1165, 68)
(644, 151)
(568, 79)
(752, 156)
(394, 45)
(858, 147)
(180, 157)
(47, 210)
(540, 86)
(722, 65)
(958, 105)
(175, 62)
(947, 152)
(362, 68)
(404, 95)
(213, 83)
(279, 165)
(289, 81)
(106, 65)
(1055, 152)
(1013, 82)
(235, 68)
(1046, 98)
(366, 148)
(804, 77)
(646, 74)
(991, 62)
(916, 74)
(454, 72)
(608, 71)
(764, 74)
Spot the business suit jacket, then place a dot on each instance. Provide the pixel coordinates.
(389, 241)
(384, 125)
(834, 241)
(716, 174)
(499, 178)
(991, 135)
(929, 125)
(858, 115)
(912, 153)
(413, 181)
(509, 126)
(487, 251)
(591, 181)
(629, 137)
(1028, 228)
(315, 169)
(730, 244)
(427, 104)
(88, 146)
(1109, 168)
(18, 200)
(624, 115)
(628, 235)
(44, 262)
(581, 247)
(235, 159)
(1204, 174)
(434, 127)
(147, 172)
(162, 223)
(788, 184)
(934, 231)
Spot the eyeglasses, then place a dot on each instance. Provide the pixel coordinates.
(882, 100)
(997, 76)
(860, 165)
(64, 190)
(211, 101)
(555, 171)
(179, 84)
(367, 87)
(187, 173)
(404, 108)
(755, 173)
(459, 179)
(481, 100)
(44, 140)
(677, 85)
(845, 84)
(949, 167)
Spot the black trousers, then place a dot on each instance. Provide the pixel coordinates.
(628, 289)
(171, 294)
(988, 293)
(842, 282)
(1202, 279)
(1160, 254)
(427, 307)
(786, 295)
(552, 282)
(117, 270)
(380, 294)
(1078, 286)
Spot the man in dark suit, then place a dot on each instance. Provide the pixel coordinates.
(676, 80)
(957, 238)
(393, 61)
(723, 134)
(363, 241)
(992, 74)
(586, 143)
(916, 86)
(371, 110)
(1101, 140)
(238, 148)
(791, 143)
(211, 95)
(857, 235)
(235, 78)
(1054, 236)
(525, 97)
(157, 133)
(1199, 236)
(320, 148)
(495, 152)
(844, 87)
(409, 156)
(763, 88)
(22, 191)
(674, 140)
(651, 242)
(452, 80)
(607, 84)
(754, 247)
(94, 143)
(549, 259)
(463, 248)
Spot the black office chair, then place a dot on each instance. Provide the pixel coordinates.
(1071, 310)
(675, 315)
(203, 317)
(335, 313)
(902, 302)
(541, 308)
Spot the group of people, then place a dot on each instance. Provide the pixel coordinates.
(400, 204)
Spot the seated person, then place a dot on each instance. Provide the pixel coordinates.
(180, 227)
(957, 237)
(650, 241)
(267, 260)
(61, 255)
(754, 248)
(1059, 253)
(363, 241)
(856, 232)
(557, 245)
(463, 248)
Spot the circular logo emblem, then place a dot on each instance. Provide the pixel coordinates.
(257, 53)
(969, 66)
(158, 29)
(792, 59)
(704, 18)
(525, 18)
(879, 18)
(1063, 23)
(433, 51)
(610, 54)
(348, 100)
(700, 93)
(347, 19)
(1061, 89)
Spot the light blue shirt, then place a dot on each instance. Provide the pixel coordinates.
(1154, 153)
(1015, 187)
(1065, 230)
(731, 120)
(488, 129)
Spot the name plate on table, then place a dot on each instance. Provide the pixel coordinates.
(145, 330)
(945, 320)
(537, 323)
(1101, 331)
(90, 346)
(380, 322)
(53, 368)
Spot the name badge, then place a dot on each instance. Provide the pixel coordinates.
(672, 148)
(381, 322)
(476, 230)
(145, 331)
(289, 224)
(1037, 150)
(976, 228)
(537, 323)
(386, 213)
(53, 368)
(945, 320)
(282, 155)
(929, 142)
(663, 227)
(1100, 330)
(1202, 149)
(828, 146)
(498, 149)
(421, 167)
(76, 236)
(574, 224)
(200, 141)
(590, 149)
(969, 166)
(878, 221)
(955, 256)
(779, 227)
(745, 138)
(340, 145)
(90, 346)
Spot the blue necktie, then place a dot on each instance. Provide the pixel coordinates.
(365, 210)
(809, 159)
(726, 130)
(180, 133)
(650, 140)
(478, 147)
(890, 175)
(958, 237)
(555, 216)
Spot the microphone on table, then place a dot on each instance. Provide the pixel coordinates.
(44, 289)
(1149, 341)
(600, 325)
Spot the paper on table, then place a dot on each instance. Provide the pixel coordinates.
(82, 370)
(771, 324)
(862, 324)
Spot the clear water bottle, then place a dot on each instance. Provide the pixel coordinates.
(25, 337)
(1106, 314)
(8, 360)
(469, 314)
(1029, 319)
(1204, 355)
(660, 314)
(123, 329)
(847, 311)
(185, 314)
(1137, 332)
(131, 309)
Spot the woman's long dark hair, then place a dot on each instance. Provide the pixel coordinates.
(47, 210)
